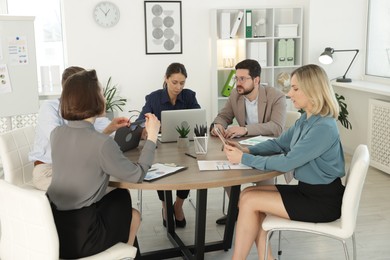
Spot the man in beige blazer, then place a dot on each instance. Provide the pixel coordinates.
(258, 110)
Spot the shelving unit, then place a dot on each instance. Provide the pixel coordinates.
(265, 28)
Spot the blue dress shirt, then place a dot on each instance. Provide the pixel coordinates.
(311, 148)
(158, 101)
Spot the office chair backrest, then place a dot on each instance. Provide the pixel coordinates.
(355, 178)
(291, 118)
(28, 230)
(14, 148)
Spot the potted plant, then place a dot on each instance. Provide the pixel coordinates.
(113, 101)
(183, 140)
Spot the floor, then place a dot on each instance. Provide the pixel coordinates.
(372, 231)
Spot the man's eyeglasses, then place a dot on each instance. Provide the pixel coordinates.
(241, 79)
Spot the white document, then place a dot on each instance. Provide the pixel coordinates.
(255, 140)
(220, 165)
(159, 170)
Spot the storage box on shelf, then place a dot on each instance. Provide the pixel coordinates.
(257, 35)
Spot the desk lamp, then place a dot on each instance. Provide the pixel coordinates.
(327, 58)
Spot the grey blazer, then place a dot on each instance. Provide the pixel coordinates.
(271, 111)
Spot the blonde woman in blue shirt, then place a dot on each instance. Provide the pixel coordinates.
(311, 148)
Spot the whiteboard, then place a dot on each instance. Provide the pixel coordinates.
(18, 66)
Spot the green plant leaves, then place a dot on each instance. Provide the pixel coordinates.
(183, 131)
(343, 114)
(113, 101)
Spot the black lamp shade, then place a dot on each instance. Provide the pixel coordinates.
(327, 58)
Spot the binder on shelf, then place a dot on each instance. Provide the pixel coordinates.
(225, 26)
(258, 51)
(236, 24)
(248, 23)
(290, 52)
(229, 84)
(280, 53)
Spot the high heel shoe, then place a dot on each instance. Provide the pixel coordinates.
(164, 221)
(179, 223)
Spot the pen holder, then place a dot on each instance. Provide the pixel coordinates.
(200, 144)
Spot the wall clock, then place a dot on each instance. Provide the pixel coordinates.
(106, 14)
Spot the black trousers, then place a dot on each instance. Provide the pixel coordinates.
(183, 194)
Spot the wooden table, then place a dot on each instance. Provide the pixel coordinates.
(192, 178)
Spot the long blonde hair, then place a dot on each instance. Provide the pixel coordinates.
(315, 84)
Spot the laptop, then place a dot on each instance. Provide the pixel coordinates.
(184, 117)
(128, 137)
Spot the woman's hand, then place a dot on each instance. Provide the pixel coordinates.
(152, 126)
(238, 146)
(115, 124)
(233, 154)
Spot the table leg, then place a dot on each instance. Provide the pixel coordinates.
(231, 217)
(169, 208)
(200, 223)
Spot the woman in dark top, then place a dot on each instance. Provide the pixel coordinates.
(172, 96)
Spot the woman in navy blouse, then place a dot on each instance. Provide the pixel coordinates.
(172, 96)
(311, 148)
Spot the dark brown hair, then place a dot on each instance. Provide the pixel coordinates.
(252, 65)
(82, 96)
(174, 68)
(69, 72)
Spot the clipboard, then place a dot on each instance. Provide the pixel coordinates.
(160, 170)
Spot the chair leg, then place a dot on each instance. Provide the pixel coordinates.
(354, 247)
(139, 202)
(345, 250)
(279, 245)
(269, 235)
(191, 201)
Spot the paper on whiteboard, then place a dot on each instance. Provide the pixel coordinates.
(5, 82)
(17, 50)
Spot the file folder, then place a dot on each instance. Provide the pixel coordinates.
(237, 23)
(225, 26)
(248, 23)
(229, 85)
(290, 52)
(280, 53)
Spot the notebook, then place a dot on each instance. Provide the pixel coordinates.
(184, 117)
(128, 137)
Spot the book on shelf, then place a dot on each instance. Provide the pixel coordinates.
(258, 51)
(248, 23)
(236, 24)
(229, 84)
(225, 26)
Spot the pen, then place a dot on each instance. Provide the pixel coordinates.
(190, 155)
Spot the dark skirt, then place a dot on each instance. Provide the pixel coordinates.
(313, 203)
(91, 230)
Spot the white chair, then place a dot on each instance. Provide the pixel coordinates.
(28, 230)
(291, 118)
(342, 228)
(14, 148)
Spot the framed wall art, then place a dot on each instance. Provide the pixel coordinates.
(163, 34)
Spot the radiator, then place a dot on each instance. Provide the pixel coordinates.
(379, 134)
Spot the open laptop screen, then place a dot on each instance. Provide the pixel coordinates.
(184, 117)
